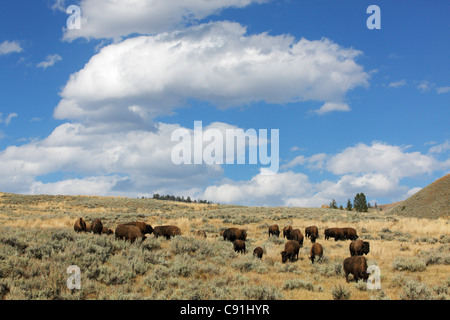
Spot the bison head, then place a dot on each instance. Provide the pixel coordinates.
(284, 256)
(148, 229)
(365, 247)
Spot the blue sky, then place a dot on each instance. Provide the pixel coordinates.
(91, 111)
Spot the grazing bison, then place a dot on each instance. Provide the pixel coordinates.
(107, 231)
(357, 266)
(273, 230)
(316, 251)
(310, 231)
(258, 252)
(359, 247)
(313, 238)
(144, 227)
(287, 232)
(239, 246)
(88, 226)
(129, 233)
(339, 234)
(291, 249)
(296, 235)
(97, 226)
(80, 225)
(166, 231)
(350, 233)
(330, 233)
(232, 234)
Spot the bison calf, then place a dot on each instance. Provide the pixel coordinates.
(291, 249)
(129, 233)
(107, 231)
(356, 266)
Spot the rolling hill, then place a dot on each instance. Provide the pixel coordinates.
(431, 202)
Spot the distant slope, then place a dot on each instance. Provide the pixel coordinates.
(431, 202)
(386, 207)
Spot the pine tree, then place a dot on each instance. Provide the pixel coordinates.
(349, 205)
(333, 204)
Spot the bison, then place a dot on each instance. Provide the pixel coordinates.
(258, 252)
(291, 249)
(80, 225)
(107, 231)
(310, 231)
(129, 233)
(287, 232)
(359, 247)
(273, 230)
(330, 233)
(313, 238)
(144, 227)
(316, 251)
(166, 231)
(232, 234)
(239, 246)
(296, 235)
(350, 233)
(97, 226)
(357, 266)
(339, 234)
(88, 226)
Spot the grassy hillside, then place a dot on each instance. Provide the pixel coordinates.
(431, 202)
(37, 244)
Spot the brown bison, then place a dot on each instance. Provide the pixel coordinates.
(144, 227)
(221, 233)
(357, 266)
(166, 231)
(273, 230)
(88, 226)
(313, 238)
(359, 247)
(129, 233)
(80, 225)
(107, 231)
(310, 231)
(258, 252)
(296, 235)
(232, 234)
(339, 234)
(291, 249)
(239, 246)
(287, 232)
(350, 233)
(316, 251)
(329, 233)
(97, 226)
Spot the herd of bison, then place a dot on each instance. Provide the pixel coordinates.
(356, 264)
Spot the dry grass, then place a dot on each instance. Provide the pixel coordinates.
(306, 281)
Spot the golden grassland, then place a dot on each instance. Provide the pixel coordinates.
(60, 212)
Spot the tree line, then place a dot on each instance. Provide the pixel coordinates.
(359, 204)
(188, 199)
